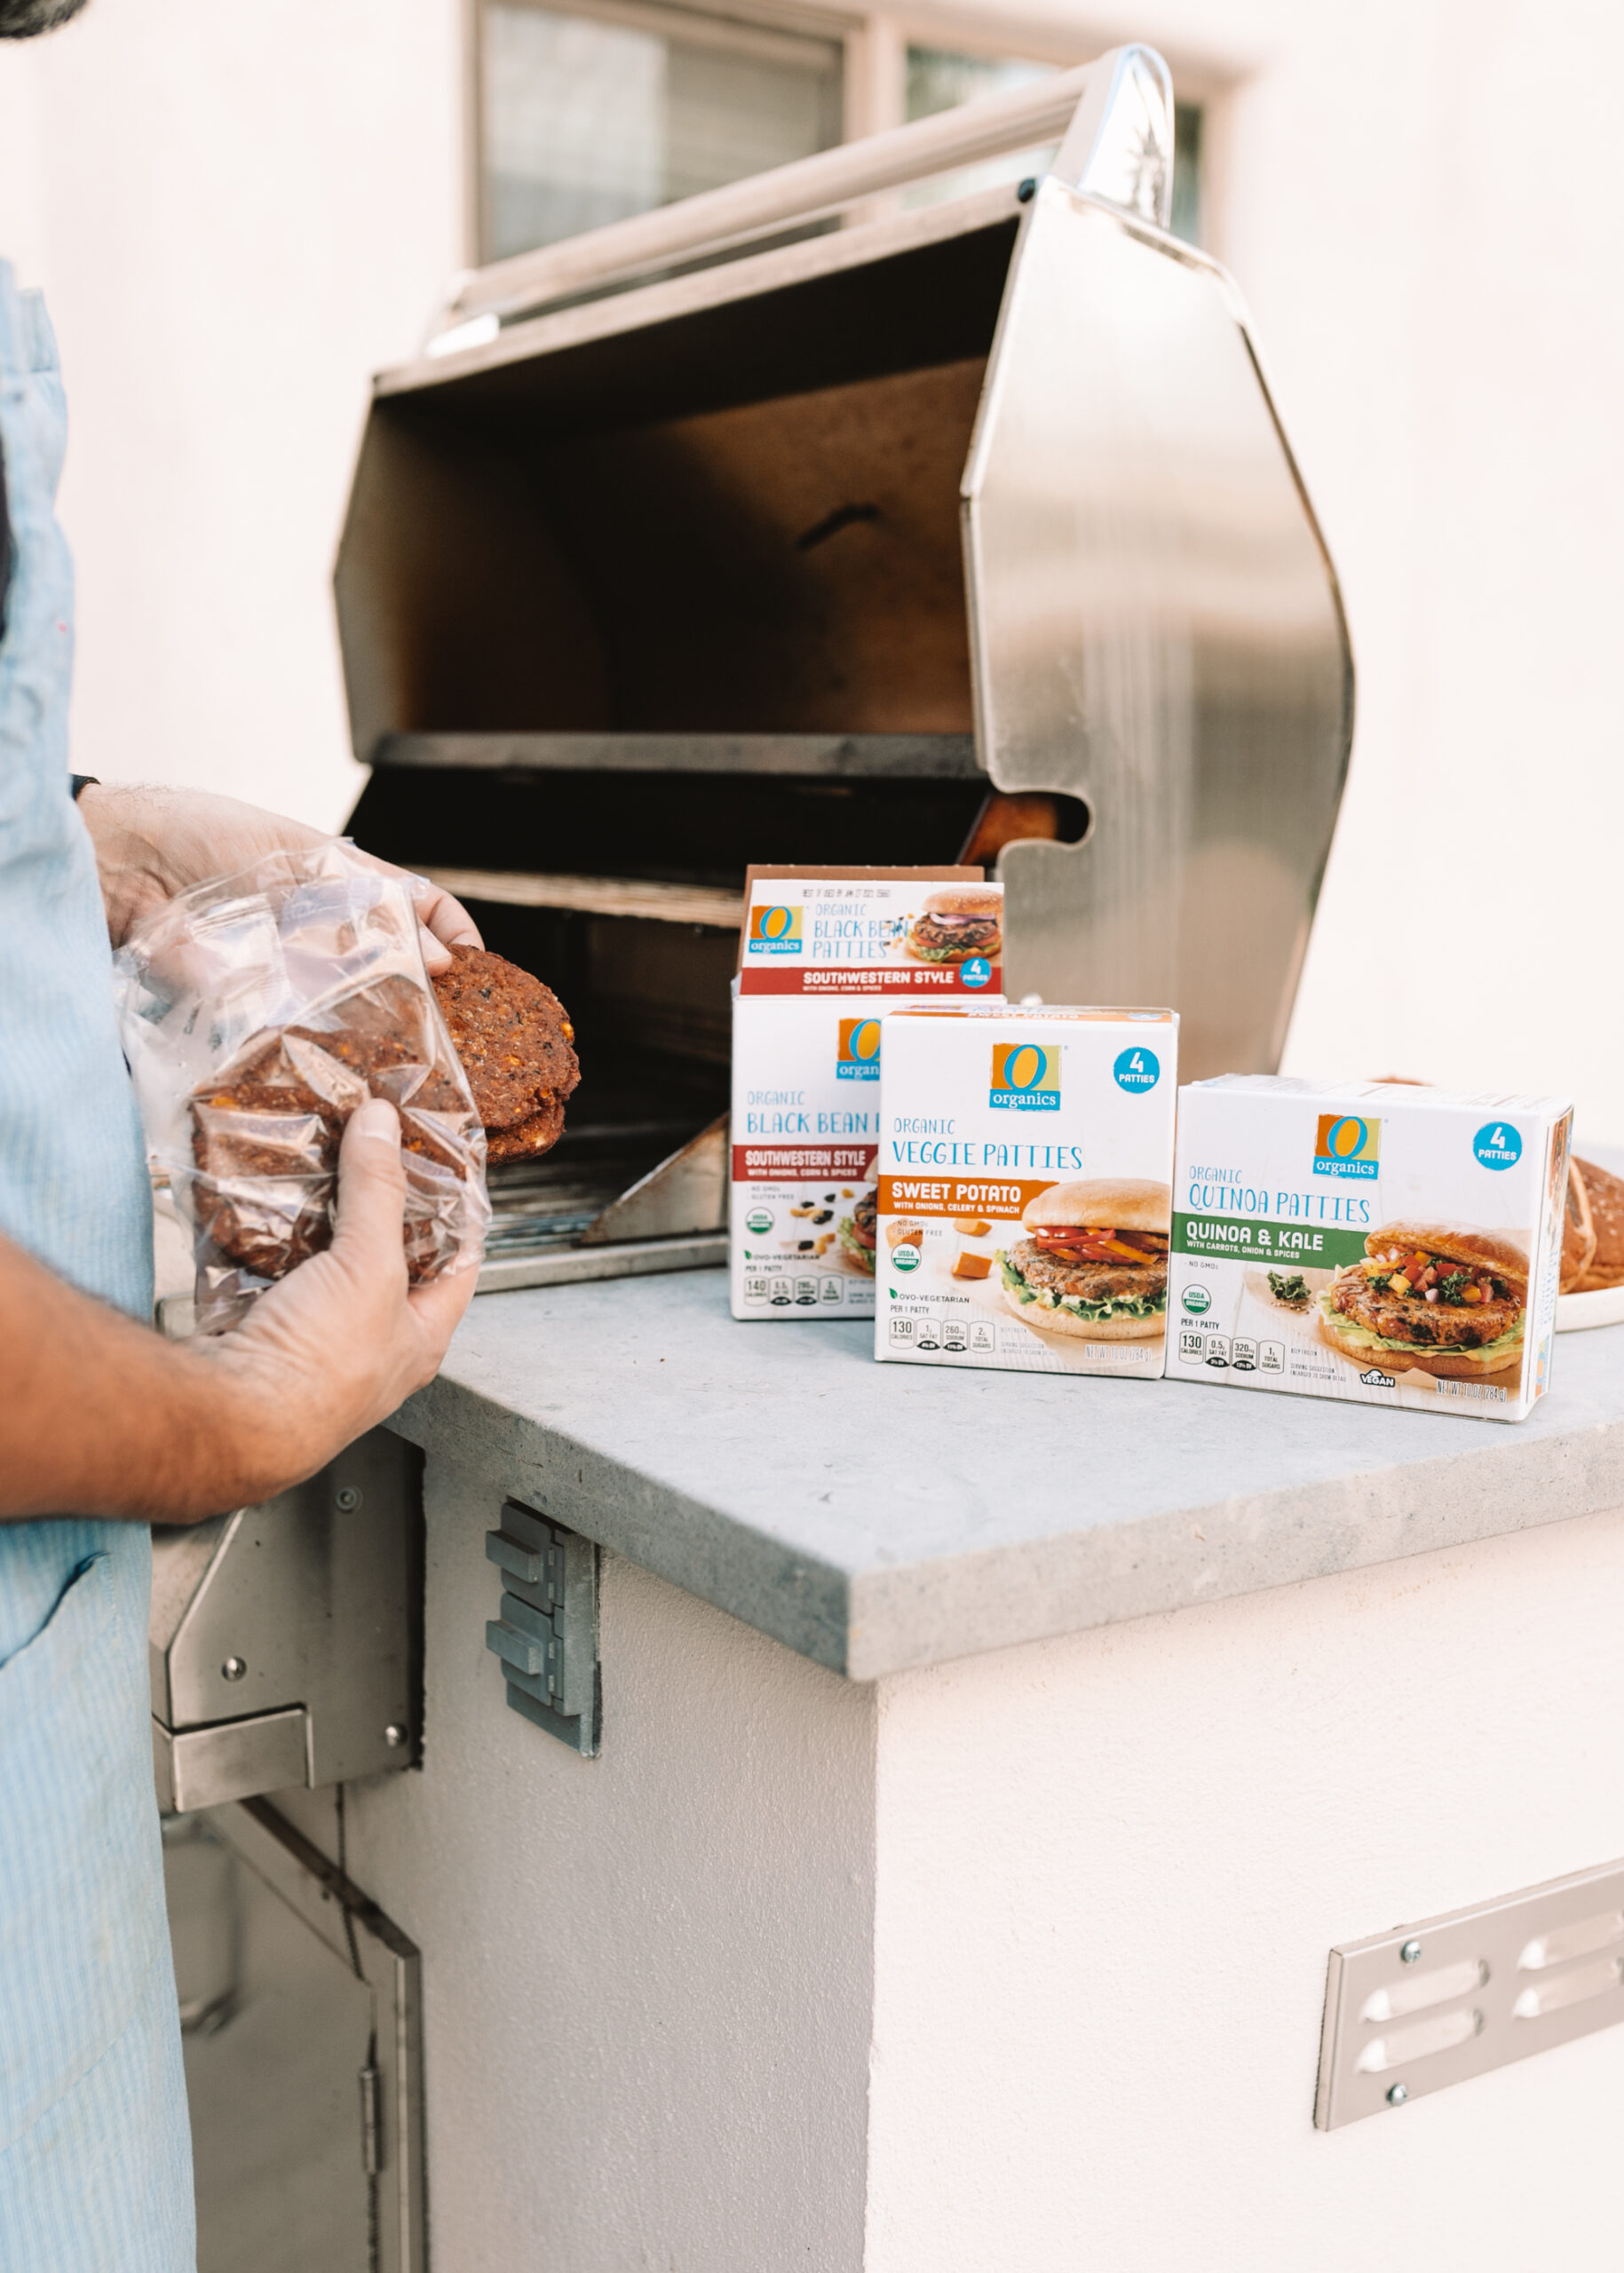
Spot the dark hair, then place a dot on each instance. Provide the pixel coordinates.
(22, 19)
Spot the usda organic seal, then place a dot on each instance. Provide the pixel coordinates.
(760, 1220)
(905, 1256)
(1196, 1299)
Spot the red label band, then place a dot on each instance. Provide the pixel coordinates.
(802, 1163)
(870, 979)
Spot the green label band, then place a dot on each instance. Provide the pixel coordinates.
(1320, 1247)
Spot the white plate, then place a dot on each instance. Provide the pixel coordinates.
(1604, 1307)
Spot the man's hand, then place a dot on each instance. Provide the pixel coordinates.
(103, 1417)
(151, 843)
(341, 1341)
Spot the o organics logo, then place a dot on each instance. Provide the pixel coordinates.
(1348, 1146)
(775, 931)
(857, 1058)
(1025, 1078)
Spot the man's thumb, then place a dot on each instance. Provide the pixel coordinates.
(371, 1179)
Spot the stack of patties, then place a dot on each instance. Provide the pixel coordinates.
(516, 1043)
(1095, 1261)
(265, 1131)
(1602, 1203)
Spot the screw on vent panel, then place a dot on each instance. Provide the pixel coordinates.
(1468, 1992)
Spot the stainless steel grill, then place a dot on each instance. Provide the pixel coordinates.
(799, 522)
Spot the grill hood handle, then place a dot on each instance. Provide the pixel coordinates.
(1114, 119)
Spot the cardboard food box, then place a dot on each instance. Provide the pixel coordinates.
(1377, 1241)
(1024, 1170)
(823, 954)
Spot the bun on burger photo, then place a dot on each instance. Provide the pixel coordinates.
(958, 922)
(1094, 1261)
(1604, 1206)
(1449, 1301)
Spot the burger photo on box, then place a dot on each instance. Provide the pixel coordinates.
(859, 1232)
(956, 922)
(1431, 1299)
(1094, 1261)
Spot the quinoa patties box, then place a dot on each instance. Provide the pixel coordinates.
(1383, 1242)
(1023, 1188)
(824, 953)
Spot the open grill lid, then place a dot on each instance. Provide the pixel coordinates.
(832, 498)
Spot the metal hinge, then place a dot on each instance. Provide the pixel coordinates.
(546, 1634)
(371, 2122)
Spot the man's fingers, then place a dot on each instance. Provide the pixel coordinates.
(443, 923)
(372, 1181)
(447, 919)
(438, 1306)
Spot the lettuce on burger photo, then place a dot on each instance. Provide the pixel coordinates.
(1095, 1261)
(1430, 1300)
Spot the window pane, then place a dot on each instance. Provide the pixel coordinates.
(588, 118)
(939, 79)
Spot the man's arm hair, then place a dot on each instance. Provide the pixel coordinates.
(101, 1416)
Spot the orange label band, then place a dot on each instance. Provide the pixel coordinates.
(957, 1195)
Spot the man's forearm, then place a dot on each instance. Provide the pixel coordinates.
(100, 1416)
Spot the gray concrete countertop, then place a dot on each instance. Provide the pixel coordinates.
(874, 1517)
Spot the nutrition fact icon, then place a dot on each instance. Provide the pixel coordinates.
(1240, 1355)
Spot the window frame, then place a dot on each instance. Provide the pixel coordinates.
(874, 74)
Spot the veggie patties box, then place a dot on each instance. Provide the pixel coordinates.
(1023, 1169)
(1388, 1243)
(824, 955)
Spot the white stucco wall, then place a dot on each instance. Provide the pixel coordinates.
(646, 1977)
(1015, 1962)
(1109, 1869)
(239, 212)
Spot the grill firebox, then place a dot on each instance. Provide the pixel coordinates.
(794, 524)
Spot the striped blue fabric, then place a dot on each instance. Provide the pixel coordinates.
(95, 2159)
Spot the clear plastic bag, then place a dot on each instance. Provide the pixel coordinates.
(258, 1010)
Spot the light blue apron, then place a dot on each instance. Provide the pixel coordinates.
(95, 2159)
